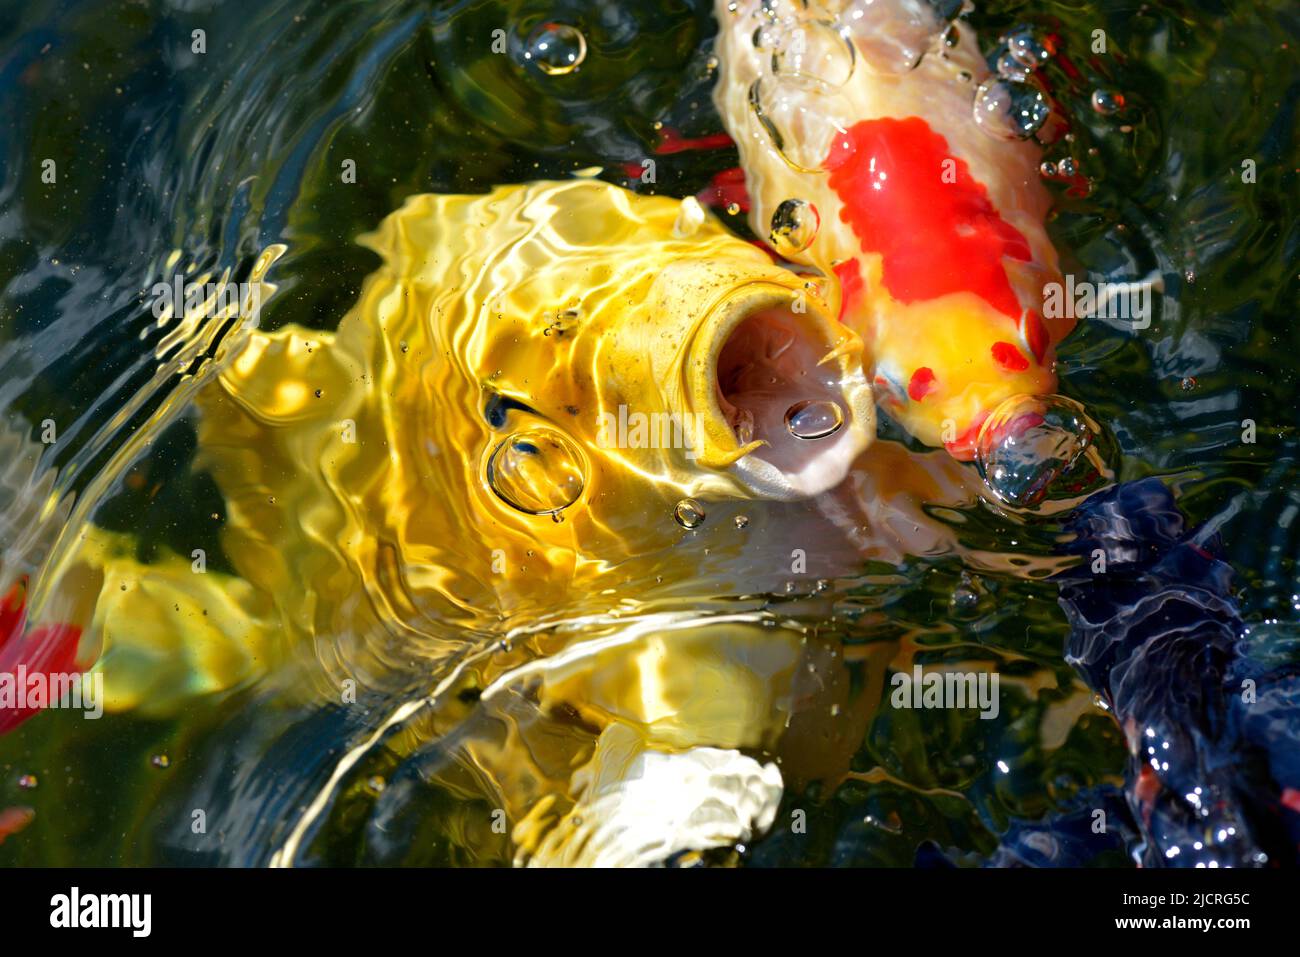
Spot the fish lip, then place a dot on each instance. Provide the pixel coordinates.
(827, 466)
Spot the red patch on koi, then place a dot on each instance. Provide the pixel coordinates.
(13, 820)
(726, 188)
(1035, 335)
(48, 649)
(1009, 357)
(1146, 789)
(670, 141)
(934, 237)
(921, 384)
(1291, 799)
(963, 448)
(850, 277)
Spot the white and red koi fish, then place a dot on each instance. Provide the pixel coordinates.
(876, 171)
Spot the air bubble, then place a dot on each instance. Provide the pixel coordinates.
(814, 419)
(745, 426)
(538, 471)
(794, 226)
(689, 513)
(799, 125)
(894, 35)
(1011, 108)
(967, 597)
(1007, 65)
(556, 48)
(813, 55)
(1036, 448)
(1107, 102)
(1025, 49)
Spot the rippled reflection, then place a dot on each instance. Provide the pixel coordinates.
(317, 619)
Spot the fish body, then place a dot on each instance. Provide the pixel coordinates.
(934, 228)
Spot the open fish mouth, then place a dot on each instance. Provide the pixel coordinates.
(787, 387)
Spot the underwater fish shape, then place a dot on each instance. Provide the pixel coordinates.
(862, 158)
(362, 456)
(606, 742)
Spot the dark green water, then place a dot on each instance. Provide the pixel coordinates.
(224, 153)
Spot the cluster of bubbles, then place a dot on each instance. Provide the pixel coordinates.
(895, 35)
(1064, 168)
(1031, 447)
(539, 471)
(808, 53)
(1012, 104)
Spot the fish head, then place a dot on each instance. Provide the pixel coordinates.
(669, 352)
